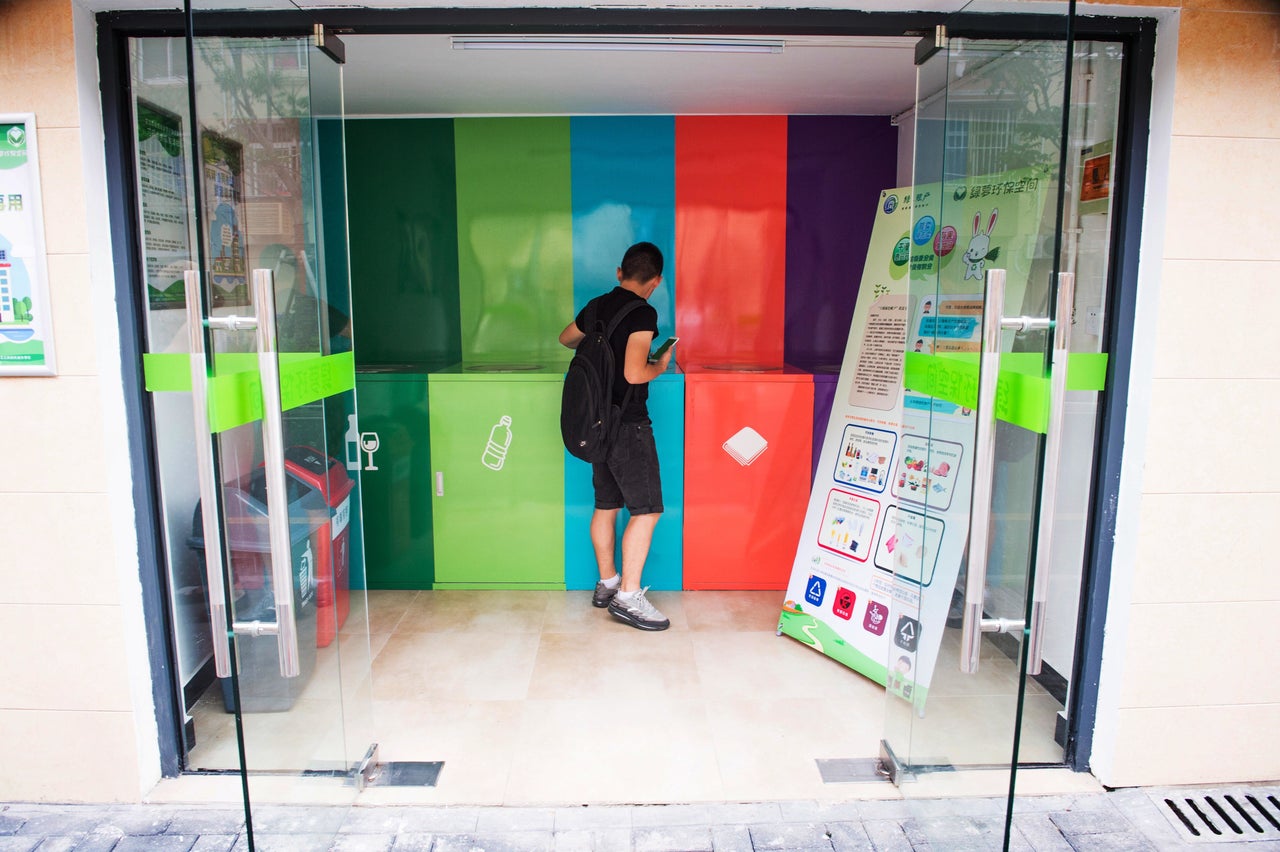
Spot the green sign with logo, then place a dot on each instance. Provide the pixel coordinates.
(26, 336)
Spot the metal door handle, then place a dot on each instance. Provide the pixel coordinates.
(286, 626)
(1052, 457)
(209, 496)
(993, 323)
(439, 483)
(983, 469)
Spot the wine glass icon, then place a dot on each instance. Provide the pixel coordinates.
(369, 443)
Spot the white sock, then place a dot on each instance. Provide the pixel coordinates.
(613, 582)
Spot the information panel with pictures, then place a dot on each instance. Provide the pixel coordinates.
(26, 328)
(884, 536)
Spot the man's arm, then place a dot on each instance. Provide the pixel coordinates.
(637, 370)
(572, 335)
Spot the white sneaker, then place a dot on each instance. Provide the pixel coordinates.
(634, 608)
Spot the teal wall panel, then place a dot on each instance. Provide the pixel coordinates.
(624, 192)
(664, 567)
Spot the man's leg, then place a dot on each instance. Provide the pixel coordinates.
(636, 539)
(604, 525)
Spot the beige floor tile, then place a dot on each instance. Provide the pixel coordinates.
(614, 750)
(344, 664)
(498, 611)
(523, 695)
(626, 662)
(475, 739)
(768, 747)
(733, 611)
(572, 612)
(755, 665)
(964, 730)
(215, 733)
(997, 675)
(307, 736)
(459, 665)
(380, 609)
(1039, 720)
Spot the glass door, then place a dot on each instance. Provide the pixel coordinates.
(272, 373)
(983, 380)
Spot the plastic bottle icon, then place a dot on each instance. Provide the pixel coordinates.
(353, 443)
(495, 452)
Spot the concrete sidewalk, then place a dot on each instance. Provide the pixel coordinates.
(1119, 820)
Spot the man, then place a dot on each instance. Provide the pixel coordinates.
(629, 474)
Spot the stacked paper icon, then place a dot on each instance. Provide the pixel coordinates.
(746, 445)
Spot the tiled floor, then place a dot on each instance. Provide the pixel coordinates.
(538, 698)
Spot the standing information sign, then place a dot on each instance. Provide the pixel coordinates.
(885, 532)
(26, 333)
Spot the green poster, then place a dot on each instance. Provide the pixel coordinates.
(26, 334)
(162, 195)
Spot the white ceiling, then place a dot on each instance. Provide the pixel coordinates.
(426, 75)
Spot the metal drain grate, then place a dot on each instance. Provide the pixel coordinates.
(406, 773)
(1235, 816)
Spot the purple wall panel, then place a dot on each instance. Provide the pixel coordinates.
(836, 167)
(824, 396)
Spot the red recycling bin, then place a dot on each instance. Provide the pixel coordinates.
(333, 573)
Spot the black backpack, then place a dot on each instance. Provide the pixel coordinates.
(588, 418)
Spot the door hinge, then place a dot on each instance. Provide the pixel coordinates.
(929, 45)
(330, 44)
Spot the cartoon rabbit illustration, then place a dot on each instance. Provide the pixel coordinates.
(979, 250)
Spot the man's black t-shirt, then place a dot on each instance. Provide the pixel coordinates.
(643, 318)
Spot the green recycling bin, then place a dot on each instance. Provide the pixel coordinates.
(390, 444)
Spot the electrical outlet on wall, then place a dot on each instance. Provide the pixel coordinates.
(1093, 320)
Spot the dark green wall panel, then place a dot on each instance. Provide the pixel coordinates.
(404, 241)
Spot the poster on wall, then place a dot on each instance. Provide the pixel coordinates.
(223, 187)
(1095, 178)
(162, 194)
(884, 536)
(26, 329)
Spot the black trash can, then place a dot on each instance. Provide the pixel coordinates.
(262, 688)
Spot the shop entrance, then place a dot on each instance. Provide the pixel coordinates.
(437, 237)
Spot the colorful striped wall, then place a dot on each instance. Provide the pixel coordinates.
(474, 240)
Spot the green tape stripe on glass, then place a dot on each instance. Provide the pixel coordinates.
(1022, 390)
(235, 394)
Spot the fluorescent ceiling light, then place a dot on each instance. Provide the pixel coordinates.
(678, 45)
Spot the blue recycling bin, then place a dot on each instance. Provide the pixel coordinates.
(262, 688)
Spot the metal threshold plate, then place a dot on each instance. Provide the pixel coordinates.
(407, 773)
(850, 770)
(1236, 815)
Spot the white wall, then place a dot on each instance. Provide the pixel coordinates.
(76, 719)
(1191, 686)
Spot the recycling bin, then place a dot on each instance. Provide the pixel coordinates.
(248, 543)
(395, 476)
(333, 546)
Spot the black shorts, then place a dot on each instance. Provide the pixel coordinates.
(629, 475)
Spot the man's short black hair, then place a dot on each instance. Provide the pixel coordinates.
(642, 263)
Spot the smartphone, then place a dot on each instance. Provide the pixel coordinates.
(661, 350)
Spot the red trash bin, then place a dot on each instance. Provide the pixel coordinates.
(333, 574)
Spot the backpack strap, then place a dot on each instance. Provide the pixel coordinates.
(618, 317)
(608, 335)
